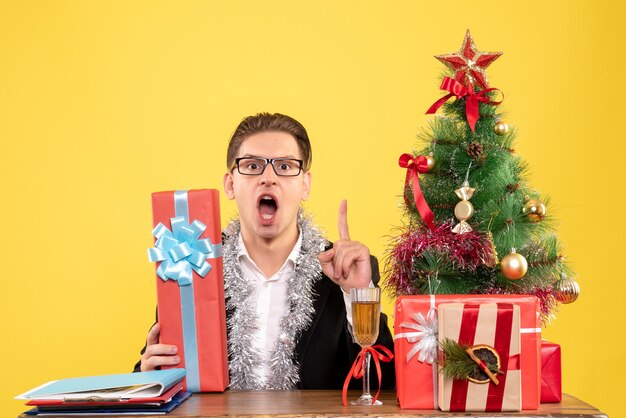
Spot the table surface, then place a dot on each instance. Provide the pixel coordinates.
(327, 403)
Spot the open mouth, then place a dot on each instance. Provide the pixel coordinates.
(267, 207)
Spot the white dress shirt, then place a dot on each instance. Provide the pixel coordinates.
(270, 298)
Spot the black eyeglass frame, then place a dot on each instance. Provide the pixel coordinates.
(269, 161)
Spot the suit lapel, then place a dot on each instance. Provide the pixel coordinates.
(322, 291)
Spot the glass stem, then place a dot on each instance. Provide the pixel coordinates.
(366, 375)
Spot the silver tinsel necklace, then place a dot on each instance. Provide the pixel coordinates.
(244, 359)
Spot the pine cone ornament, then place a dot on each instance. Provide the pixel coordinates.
(474, 150)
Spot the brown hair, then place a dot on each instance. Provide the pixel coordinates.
(269, 122)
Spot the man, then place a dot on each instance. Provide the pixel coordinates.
(288, 324)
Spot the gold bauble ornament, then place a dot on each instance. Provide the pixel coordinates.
(430, 162)
(534, 209)
(513, 265)
(501, 128)
(566, 290)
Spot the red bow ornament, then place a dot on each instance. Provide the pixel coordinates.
(414, 166)
(472, 99)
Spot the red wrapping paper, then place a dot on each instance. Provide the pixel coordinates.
(495, 325)
(550, 372)
(415, 382)
(210, 311)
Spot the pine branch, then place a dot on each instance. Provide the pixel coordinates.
(455, 363)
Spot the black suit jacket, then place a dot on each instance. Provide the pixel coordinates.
(325, 350)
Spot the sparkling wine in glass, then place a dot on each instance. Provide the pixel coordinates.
(365, 321)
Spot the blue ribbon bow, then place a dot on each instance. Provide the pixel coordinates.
(180, 251)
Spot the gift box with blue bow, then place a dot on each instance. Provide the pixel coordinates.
(190, 284)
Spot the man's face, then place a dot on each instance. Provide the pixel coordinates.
(268, 204)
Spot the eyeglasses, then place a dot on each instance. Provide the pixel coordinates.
(255, 166)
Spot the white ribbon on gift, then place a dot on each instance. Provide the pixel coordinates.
(529, 330)
(424, 339)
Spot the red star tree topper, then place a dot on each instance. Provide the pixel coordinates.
(469, 64)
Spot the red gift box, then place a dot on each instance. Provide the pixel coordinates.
(550, 372)
(496, 325)
(416, 335)
(190, 284)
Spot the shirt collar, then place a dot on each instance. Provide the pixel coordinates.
(291, 258)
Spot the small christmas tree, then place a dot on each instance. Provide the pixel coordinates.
(474, 225)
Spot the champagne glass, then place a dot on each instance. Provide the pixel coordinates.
(365, 320)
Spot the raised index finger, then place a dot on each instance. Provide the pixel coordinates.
(153, 334)
(343, 220)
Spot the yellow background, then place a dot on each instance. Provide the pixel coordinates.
(104, 102)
